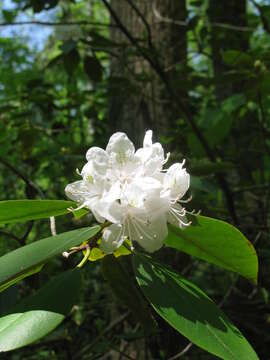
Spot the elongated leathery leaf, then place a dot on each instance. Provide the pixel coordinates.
(190, 311)
(20, 263)
(218, 243)
(57, 295)
(126, 291)
(17, 330)
(23, 210)
(38, 314)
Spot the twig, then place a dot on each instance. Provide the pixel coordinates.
(54, 23)
(33, 186)
(141, 16)
(5, 233)
(27, 232)
(22, 176)
(166, 19)
(228, 292)
(185, 23)
(101, 335)
(53, 226)
(263, 18)
(183, 352)
(122, 353)
(232, 27)
(252, 187)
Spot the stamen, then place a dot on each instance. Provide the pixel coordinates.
(185, 224)
(186, 201)
(167, 158)
(78, 208)
(178, 216)
(194, 212)
(180, 212)
(175, 216)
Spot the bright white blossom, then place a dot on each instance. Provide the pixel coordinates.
(131, 190)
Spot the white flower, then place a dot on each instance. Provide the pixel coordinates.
(132, 191)
(151, 155)
(87, 195)
(176, 183)
(112, 238)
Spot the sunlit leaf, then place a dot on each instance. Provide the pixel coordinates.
(190, 311)
(38, 314)
(29, 259)
(218, 243)
(12, 211)
(20, 329)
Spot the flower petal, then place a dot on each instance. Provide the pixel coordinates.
(149, 234)
(120, 148)
(119, 142)
(112, 238)
(78, 191)
(177, 181)
(111, 211)
(151, 156)
(87, 195)
(147, 141)
(98, 162)
(97, 154)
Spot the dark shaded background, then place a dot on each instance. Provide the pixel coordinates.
(197, 73)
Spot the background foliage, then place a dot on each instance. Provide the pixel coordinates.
(197, 73)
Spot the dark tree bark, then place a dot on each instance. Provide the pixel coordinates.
(145, 104)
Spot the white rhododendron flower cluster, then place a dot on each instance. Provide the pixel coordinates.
(131, 190)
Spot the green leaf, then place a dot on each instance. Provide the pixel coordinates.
(21, 276)
(9, 15)
(58, 295)
(237, 58)
(38, 314)
(233, 103)
(218, 243)
(23, 210)
(93, 68)
(124, 289)
(29, 259)
(17, 330)
(190, 311)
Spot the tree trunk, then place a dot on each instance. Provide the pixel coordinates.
(143, 103)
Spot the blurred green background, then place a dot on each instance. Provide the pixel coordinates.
(197, 73)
